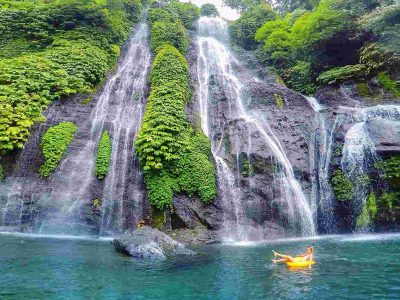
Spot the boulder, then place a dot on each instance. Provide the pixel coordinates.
(191, 212)
(149, 243)
(385, 135)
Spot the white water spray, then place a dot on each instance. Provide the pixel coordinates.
(215, 60)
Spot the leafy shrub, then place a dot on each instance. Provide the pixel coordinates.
(387, 201)
(103, 155)
(342, 186)
(188, 13)
(242, 5)
(340, 74)
(384, 22)
(300, 78)
(173, 34)
(390, 167)
(173, 155)
(63, 48)
(243, 30)
(158, 14)
(247, 169)
(387, 83)
(372, 56)
(159, 140)
(364, 220)
(54, 144)
(172, 12)
(209, 10)
(363, 180)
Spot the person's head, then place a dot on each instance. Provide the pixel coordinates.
(310, 249)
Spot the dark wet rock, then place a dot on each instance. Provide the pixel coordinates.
(334, 96)
(195, 236)
(386, 136)
(149, 243)
(191, 212)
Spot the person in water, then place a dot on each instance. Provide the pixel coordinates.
(308, 256)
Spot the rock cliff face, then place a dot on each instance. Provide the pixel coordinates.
(313, 142)
(28, 190)
(292, 121)
(363, 131)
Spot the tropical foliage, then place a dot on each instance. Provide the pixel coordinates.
(172, 33)
(54, 144)
(342, 186)
(243, 30)
(208, 10)
(52, 49)
(174, 156)
(103, 155)
(313, 43)
(390, 167)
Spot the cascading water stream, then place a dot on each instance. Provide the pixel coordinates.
(119, 109)
(359, 153)
(322, 151)
(216, 62)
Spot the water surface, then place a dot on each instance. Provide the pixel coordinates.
(356, 267)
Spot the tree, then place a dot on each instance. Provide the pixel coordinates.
(208, 10)
(243, 30)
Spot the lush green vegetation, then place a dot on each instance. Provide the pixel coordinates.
(390, 167)
(208, 10)
(169, 33)
(341, 74)
(387, 83)
(342, 186)
(103, 155)
(173, 154)
(313, 43)
(54, 144)
(51, 49)
(368, 213)
(247, 169)
(173, 11)
(371, 205)
(243, 30)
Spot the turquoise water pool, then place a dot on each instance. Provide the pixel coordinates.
(348, 267)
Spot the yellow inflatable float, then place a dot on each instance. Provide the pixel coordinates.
(299, 262)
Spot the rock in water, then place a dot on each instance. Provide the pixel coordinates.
(149, 243)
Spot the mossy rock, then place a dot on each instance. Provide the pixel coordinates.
(159, 218)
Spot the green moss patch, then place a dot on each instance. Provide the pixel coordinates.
(54, 144)
(342, 186)
(103, 156)
(173, 155)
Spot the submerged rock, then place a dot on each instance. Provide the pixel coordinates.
(149, 243)
(196, 236)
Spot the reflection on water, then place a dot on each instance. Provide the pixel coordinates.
(347, 267)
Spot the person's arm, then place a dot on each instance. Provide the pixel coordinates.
(310, 259)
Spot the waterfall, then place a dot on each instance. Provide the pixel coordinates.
(217, 63)
(322, 150)
(359, 153)
(68, 194)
